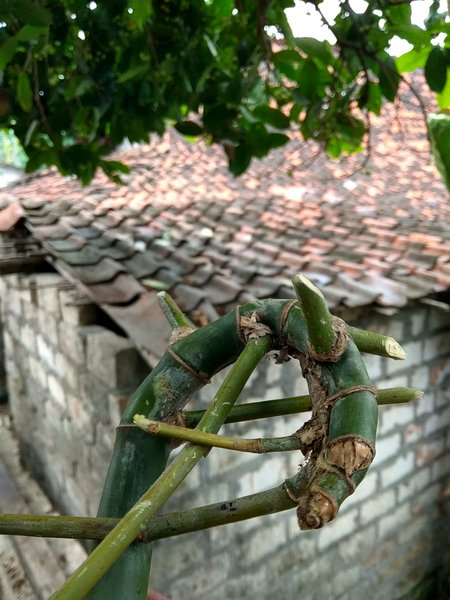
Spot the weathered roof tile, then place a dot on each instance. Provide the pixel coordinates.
(217, 240)
(122, 289)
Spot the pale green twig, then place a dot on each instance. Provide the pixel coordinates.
(295, 404)
(256, 445)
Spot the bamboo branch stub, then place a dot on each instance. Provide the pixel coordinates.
(319, 322)
(375, 343)
(173, 312)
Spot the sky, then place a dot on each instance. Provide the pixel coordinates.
(305, 21)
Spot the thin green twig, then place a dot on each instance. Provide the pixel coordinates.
(295, 404)
(254, 445)
(161, 526)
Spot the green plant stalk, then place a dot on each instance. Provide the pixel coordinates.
(173, 312)
(322, 336)
(254, 445)
(137, 461)
(177, 523)
(296, 404)
(375, 343)
(161, 526)
(118, 540)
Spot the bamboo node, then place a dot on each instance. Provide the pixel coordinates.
(285, 314)
(179, 333)
(310, 434)
(252, 329)
(350, 453)
(339, 346)
(198, 374)
(330, 401)
(316, 509)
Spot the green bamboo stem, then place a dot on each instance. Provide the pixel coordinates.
(118, 540)
(138, 460)
(161, 526)
(322, 336)
(173, 312)
(375, 343)
(194, 436)
(296, 404)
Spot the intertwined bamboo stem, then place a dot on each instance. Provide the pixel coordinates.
(129, 527)
(338, 439)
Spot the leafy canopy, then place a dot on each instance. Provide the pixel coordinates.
(77, 78)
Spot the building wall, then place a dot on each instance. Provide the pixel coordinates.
(68, 377)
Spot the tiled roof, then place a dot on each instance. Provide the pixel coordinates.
(377, 235)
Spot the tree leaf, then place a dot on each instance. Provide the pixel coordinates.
(308, 80)
(287, 62)
(389, 78)
(414, 34)
(275, 140)
(315, 49)
(271, 116)
(221, 9)
(115, 165)
(436, 69)
(400, 14)
(240, 159)
(375, 99)
(188, 128)
(7, 52)
(27, 33)
(133, 73)
(142, 11)
(443, 97)
(414, 59)
(24, 92)
(439, 128)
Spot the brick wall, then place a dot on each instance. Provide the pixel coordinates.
(390, 540)
(68, 377)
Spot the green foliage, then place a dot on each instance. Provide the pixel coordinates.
(76, 79)
(439, 128)
(11, 152)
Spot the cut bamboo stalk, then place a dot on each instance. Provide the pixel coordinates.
(188, 364)
(375, 343)
(173, 312)
(161, 526)
(119, 539)
(254, 445)
(322, 336)
(296, 404)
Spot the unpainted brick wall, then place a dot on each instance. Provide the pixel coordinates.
(68, 378)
